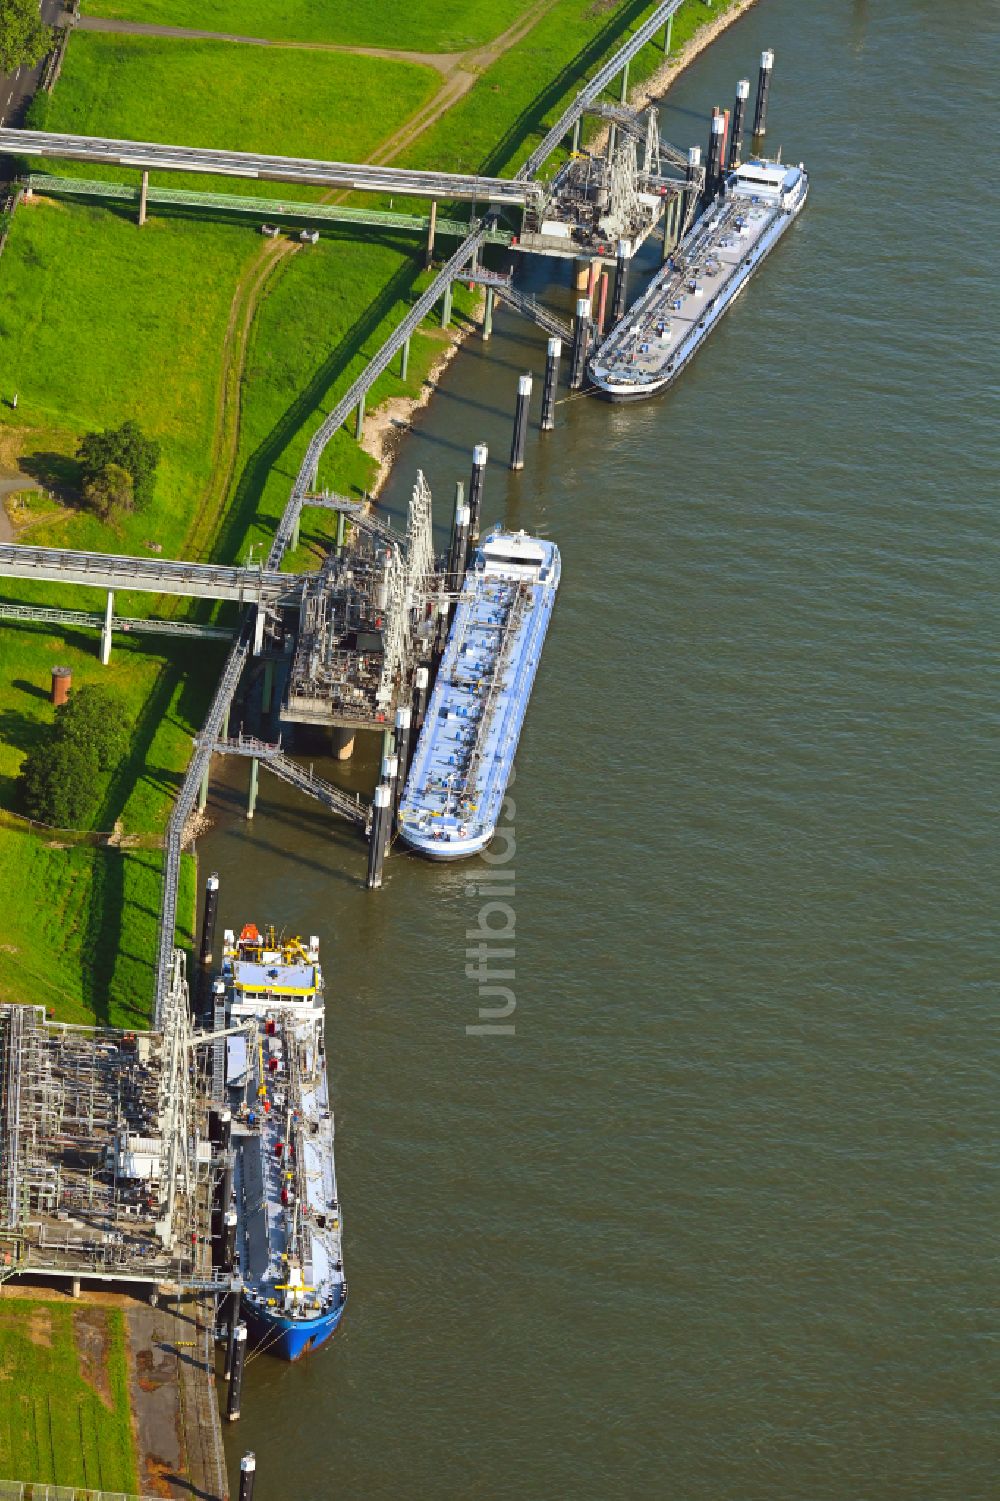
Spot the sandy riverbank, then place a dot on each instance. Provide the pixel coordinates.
(387, 426)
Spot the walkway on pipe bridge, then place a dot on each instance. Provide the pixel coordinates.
(57, 565)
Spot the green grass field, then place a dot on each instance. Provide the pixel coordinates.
(61, 1421)
(80, 926)
(363, 291)
(282, 100)
(423, 25)
(498, 123)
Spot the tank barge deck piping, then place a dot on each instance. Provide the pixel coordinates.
(465, 752)
(702, 278)
(288, 1220)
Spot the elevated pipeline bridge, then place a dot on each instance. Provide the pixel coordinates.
(137, 626)
(269, 210)
(359, 177)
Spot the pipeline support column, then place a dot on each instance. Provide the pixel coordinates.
(109, 610)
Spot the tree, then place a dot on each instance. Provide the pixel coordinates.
(24, 40)
(62, 778)
(110, 492)
(126, 446)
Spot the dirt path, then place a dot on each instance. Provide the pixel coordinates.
(444, 62)
(252, 285)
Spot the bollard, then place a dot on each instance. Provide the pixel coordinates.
(229, 1222)
(476, 485)
(377, 839)
(739, 110)
(421, 685)
(602, 304)
(760, 111)
(621, 286)
(207, 940)
(581, 339)
(248, 1469)
(552, 353)
(691, 191)
(236, 1372)
(520, 421)
(232, 1324)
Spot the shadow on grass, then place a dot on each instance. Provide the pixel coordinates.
(105, 919)
(243, 511)
(32, 689)
(56, 472)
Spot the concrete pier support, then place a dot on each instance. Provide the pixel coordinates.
(581, 276)
(668, 32)
(296, 527)
(602, 303)
(402, 747)
(236, 1374)
(248, 1470)
(404, 360)
(109, 610)
(379, 839)
(341, 533)
(446, 307)
(75, 1287)
(143, 192)
(552, 354)
(581, 341)
(258, 630)
(477, 485)
(359, 426)
(252, 794)
(488, 315)
(576, 136)
(624, 93)
(431, 230)
(520, 421)
(760, 109)
(203, 792)
(343, 742)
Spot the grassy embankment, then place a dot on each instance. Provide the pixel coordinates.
(111, 322)
(418, 25)
(65, 1418)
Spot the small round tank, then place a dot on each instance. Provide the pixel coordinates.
(62, 682)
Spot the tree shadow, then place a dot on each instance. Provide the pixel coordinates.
(56, 472)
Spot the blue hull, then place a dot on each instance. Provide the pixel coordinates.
(289, 1338)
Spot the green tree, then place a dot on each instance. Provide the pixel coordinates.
(126, 446)
(24, 40)
(110, 492)
(62, 778)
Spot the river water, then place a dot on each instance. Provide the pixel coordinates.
(718, 1221)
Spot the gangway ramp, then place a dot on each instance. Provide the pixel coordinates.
(346, 804)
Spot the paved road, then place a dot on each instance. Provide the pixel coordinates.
(17, 88)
